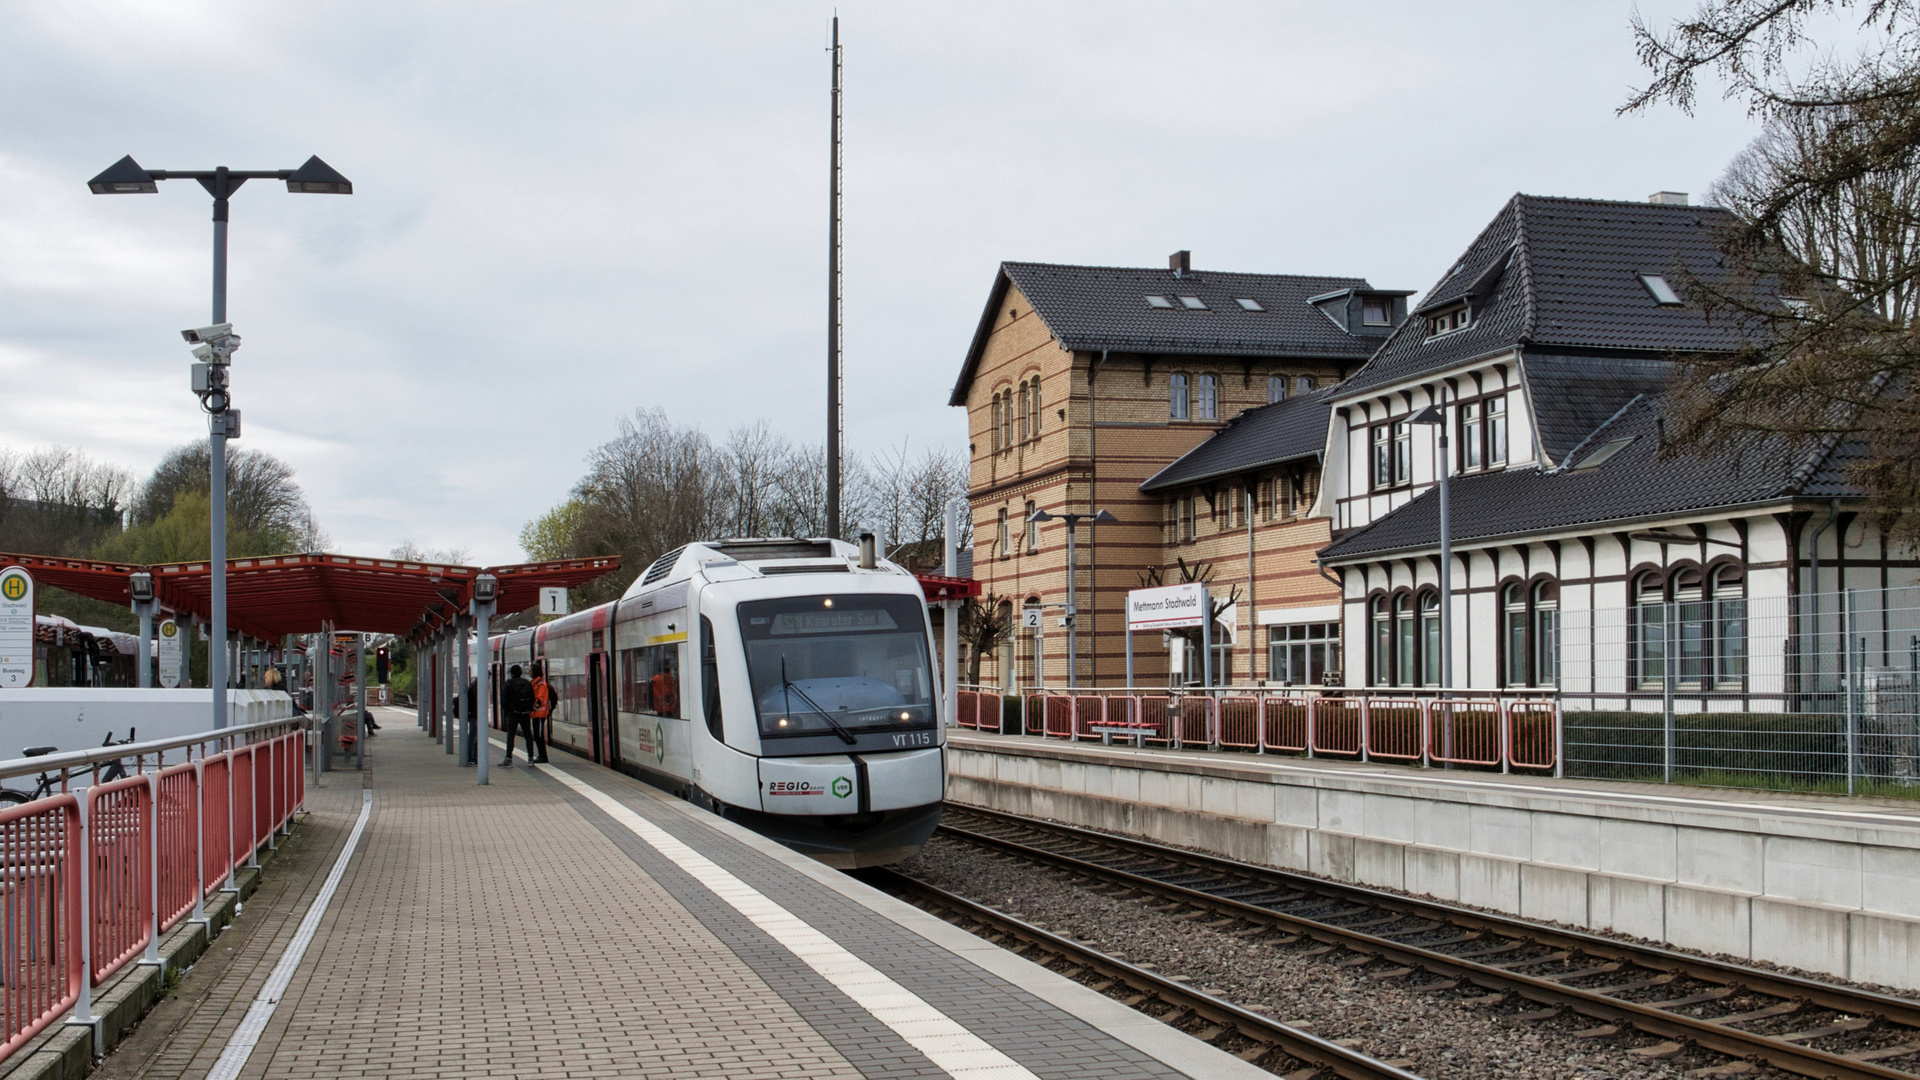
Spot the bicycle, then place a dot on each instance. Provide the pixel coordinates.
(51, 785)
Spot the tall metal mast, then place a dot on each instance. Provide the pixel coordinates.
(836, 395)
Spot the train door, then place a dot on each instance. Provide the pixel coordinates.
(600, 719)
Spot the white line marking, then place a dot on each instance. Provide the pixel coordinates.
(964, 1055)
(240, 1047)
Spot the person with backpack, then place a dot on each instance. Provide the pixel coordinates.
(516, 707)
(542, 711)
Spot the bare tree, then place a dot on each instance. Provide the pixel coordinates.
(1201, 572)
(409, 551)
(58, 501)
(985, 625)
(1820, 268)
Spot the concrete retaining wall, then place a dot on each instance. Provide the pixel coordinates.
(1829, 886)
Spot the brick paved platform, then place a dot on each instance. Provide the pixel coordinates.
(570, 921)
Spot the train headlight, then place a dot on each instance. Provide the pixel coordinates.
(783, 721)
(906, 716)
(828, 601)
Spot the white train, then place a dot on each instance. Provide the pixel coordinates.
(785, 684)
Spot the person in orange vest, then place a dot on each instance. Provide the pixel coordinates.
(542, 711)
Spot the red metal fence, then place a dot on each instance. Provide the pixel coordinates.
(1481, 732)
(88, 882)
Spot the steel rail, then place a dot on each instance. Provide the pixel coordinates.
(1223, 1015)
(1708, 1033)
(98, 755)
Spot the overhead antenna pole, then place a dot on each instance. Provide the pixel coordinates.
(836, 394)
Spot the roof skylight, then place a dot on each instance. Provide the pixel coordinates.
(1248, 304)
(1663, 293)
(1599, 456)
(1159, 302)
(1193, 303)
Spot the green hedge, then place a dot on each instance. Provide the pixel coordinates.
(1796, 750)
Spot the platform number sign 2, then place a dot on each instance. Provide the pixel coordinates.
(1030, 618)
(16, 627)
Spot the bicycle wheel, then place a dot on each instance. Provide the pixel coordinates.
(10, 797)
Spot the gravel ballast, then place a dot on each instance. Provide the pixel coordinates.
(1444, 1034)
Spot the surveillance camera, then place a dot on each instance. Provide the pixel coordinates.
(202, 351)
(208, 333)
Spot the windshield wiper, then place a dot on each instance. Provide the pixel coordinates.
(789, 689)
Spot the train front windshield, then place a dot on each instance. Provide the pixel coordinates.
(836, 665)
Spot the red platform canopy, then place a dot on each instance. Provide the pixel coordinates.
(297, 594)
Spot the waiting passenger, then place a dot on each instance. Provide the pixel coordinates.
(542, 712)
(516, 707)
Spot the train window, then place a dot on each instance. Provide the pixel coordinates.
(836, 665)
(650, 680)
(710, 680)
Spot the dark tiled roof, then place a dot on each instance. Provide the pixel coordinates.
(1284, 431)
(1089, 308)
(1565, 272)
(1633, 484)
(1573, 395)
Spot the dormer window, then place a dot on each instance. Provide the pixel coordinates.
(1376, 311)
(1159, 302)
(1447, 320)
(1663, 293)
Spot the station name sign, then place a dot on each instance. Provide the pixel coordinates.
(1168, 607)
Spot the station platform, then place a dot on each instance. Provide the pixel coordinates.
(1822, 883)
(569, 921)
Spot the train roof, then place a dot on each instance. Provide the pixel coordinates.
(765, 556)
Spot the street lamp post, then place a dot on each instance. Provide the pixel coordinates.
(1444, 466)
(126, 177)
(1073, 626)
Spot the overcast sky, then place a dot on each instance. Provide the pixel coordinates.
(563, 212)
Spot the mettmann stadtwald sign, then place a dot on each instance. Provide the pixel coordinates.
(1168, 607)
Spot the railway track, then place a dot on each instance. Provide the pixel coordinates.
(1794, 1024)
(1261, 1040)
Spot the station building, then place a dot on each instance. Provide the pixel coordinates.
(1084, 383)
(1263, 428)
(1589, 559)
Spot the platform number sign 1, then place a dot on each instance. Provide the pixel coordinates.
(16, 627)
(169, 653)
(553, 600)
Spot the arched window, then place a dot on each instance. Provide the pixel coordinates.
(1020, 424)
(993, 425)
(1693, 641)
(1546, 634)
(1276, 388)
(1730, 622)
(1649, 630)
(1031, 654)
(1177, 396)
(1209, 397)
(1000, 536)
(1429, 639)
(1513, 630)
(1007, 644)
(1033, 529)
(1382, 642)
(1006, 420)
(1405, 642)
(1033, 406)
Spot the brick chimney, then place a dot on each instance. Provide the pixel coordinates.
(1181, 263)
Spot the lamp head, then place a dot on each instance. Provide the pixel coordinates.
(1428, 415)
(316, 177)
(123, 177)
(1040, 515)
(1105, 517)
(486, 588)
(141, 586)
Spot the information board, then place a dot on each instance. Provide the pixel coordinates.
(16, 627)
(1167, 607)
(169, 653)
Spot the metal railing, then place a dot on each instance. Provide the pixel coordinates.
(94, 873)
(1468, 732)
